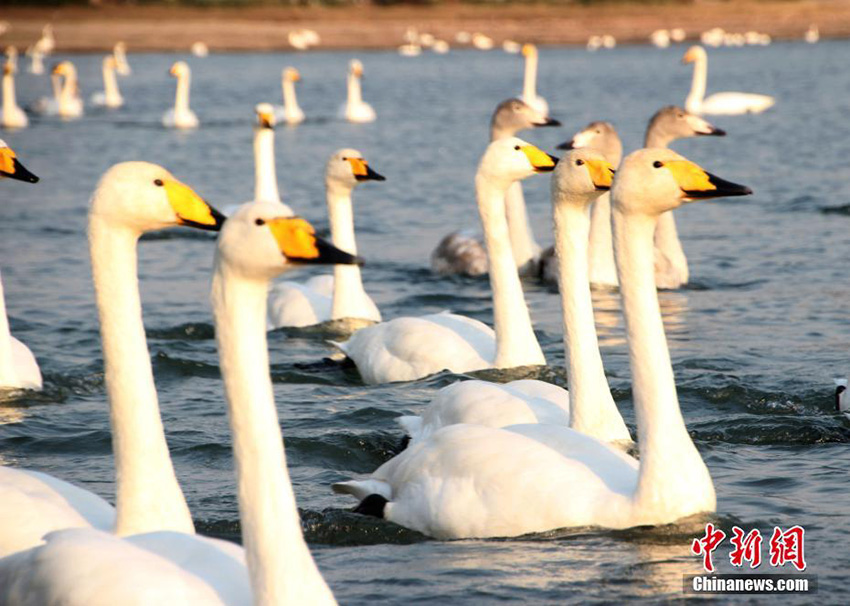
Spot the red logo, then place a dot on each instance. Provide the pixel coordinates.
(704, 546)
(747, 547)
(787, 547)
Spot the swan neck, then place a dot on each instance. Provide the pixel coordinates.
(694, 101)
(525, 249)
(516, 344)
(529, 85)
(9, 100)
(110, 85)
(655, 138)
(670, 246)
(265, 172)
(7, 370)
(354, 93)
(673, 480)
(290, 101)
(280, 566)
(181, 99)
(348, 283)
(601, 264)
(148, 496)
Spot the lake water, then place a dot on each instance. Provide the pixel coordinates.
(755, 340)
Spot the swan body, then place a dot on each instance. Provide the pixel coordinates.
(66, 101)
(728, 103)
(470, 481)
(580, 177)
(405, 349)
(290, 112)
(111, 95)
(355, 109)
(13, 116)
(120, 54)
(463, 252)
(181, 116)
(297, 305)
(529, 87)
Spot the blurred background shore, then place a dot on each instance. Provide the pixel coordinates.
(252, 26)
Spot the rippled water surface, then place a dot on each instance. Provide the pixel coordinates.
(755, 341)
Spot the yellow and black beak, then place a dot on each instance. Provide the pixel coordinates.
(363, 172)
(540, 160)
(266, 120)
(11, 168)
(567, 145)
(697, 184)
(190, 208)
(601, 173)
(548, 122)
(298, 242)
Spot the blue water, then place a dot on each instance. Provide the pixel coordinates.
(755, 340)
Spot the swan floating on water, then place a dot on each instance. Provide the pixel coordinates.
(13, 116)
(180, 116)
(111, 95)
(289, 112)
(529, 86)
(471, 481)
(355, 109)
(66, 101)
(728, 103)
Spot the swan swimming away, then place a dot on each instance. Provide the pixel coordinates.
(463, 252)
(671, 265)
(341, 296)
(470, 481)
(409, 348)
(13, 116)
(355, 109)
(529, 85)
(265, 171)
(289, 112)
(580, 177)
(180, 116)
(130, 199)
(111, 95)
(728, 103)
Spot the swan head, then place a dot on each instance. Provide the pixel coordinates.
(529, 50)
(694, 54)
(142, 197)
(180, 68)
(601, 136)
(9, 69)
(582, 175)
(356, 68)
(514, 115)
(260, 242)
(265, 115)
(120, 46)
(347, 168)
(511, 159)
(290, 74)
(64, 68)
(673, 122)
(652, 181)
(109, 62)
(11, 168)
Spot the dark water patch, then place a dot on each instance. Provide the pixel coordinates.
(842, 209)
(178, 234)
(165, 365)
(345, 451)
(191, 331)
(341, 528)
(774, 431)
(92, 442)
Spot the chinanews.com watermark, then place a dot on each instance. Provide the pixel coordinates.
(786, 554)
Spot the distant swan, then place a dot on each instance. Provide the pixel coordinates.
(180, 116)
(66, 100)
(529, 86)
(409, 348)
(13, 116)
(289, 112)
(355, 109)
(111, 96)
(718, 103)
(470, 481)
(340, 297)
(120, 54)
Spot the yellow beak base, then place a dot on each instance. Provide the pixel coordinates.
(601, 173)
(540, 160)
(190, 208)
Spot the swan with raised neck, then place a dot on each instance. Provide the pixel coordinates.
(13, 116)
(181, 115)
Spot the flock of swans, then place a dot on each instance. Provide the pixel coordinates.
(483, 459)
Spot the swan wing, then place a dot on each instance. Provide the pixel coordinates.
(26, 367)
(292, 304)
(736, 103)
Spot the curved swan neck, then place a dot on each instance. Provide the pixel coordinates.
(348, 283)
(354, 94)
(290, 101)
(181, 98)
(110, 84)
(693, 103)
(265, 172)
(516, 344)
(655, 138)
(529, 84)
(69, 89)
(7, 371)
(148, 496)
(603, 269)
(673, 481)
(592, 408)
(281, 568)
(523, 246)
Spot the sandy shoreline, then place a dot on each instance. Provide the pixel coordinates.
(85, 29)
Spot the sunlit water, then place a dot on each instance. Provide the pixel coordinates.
(755, 341)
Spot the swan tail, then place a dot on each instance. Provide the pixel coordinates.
(362, 489)
(411, 424)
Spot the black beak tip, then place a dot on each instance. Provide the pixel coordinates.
(718, 132)
(22, 174)
(566, 145)
(551, 122)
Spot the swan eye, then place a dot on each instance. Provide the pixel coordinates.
(516, 147)
(345, 159)
(598, 132)
(579, 162)
(259, 222)
(158, 182)
(658, 164)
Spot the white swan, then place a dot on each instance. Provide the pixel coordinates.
(355, 109)
(67, 102)
(289, 112)
(257, 244)
(671, 266)
(468, 481)
(181, 116)
(463, 252)
(342, 297)
(265, 172)
(529, 83)
(728, 103)
(409, 348)
(130, 199)
(111, 95)
(580, 177)
(119, 51)
(13, 116)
